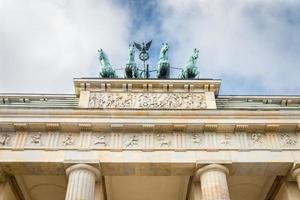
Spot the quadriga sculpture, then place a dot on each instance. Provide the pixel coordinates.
(163, 68)
(131, 70)
(106, 69)
(191, 71)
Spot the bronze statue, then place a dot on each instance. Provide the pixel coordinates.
(191, 71)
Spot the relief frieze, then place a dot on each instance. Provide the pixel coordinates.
(149, 140)
(147, 100)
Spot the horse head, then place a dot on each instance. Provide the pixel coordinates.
(131, 50)
(101, 54)
(103, 58)
(196, 54)
(163, 52)
(164, 47)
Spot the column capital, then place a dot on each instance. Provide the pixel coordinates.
(213, 181)
(211, 167)
(83, 167)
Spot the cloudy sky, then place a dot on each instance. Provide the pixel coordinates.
(252, 45)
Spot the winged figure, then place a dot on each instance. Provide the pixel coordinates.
(143, 47)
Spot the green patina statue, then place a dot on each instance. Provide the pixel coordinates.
(163, 68)
(106, 69)
(131, 70)
(190, 70)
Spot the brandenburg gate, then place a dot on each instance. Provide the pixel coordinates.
(161, 139)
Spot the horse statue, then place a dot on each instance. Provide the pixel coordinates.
(106, 71)
(163, 68)
(131, 70)
(191, 71)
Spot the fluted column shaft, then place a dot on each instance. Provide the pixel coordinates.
(296, 175)
(81, 183)
(213, 179)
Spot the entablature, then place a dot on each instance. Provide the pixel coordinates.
(150, 137)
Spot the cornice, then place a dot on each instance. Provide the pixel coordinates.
(97, 84)
(142, 126)
(117, 112)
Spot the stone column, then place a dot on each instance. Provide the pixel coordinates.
(99, 192)
(213, 179)
(288, 191)
(195, 193)
(296, 175)
(81, 184)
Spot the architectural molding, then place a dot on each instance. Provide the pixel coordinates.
(212, 167)
(120, 138)
(167, 85)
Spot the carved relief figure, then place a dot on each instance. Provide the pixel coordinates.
(226, 140)
(68, 140)
(100, 140)
(162, 140)
(196, 139)
(128, 101)
(4, 139)
(132, 141)
(36, 139)
(257, 138)
(287, 139)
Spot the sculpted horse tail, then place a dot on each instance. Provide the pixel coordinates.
(191, 71)
(163, 68)
(106, 69)
(131, 70)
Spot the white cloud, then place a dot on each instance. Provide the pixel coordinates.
(255, 40)
(45, 43)
(252, 44)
